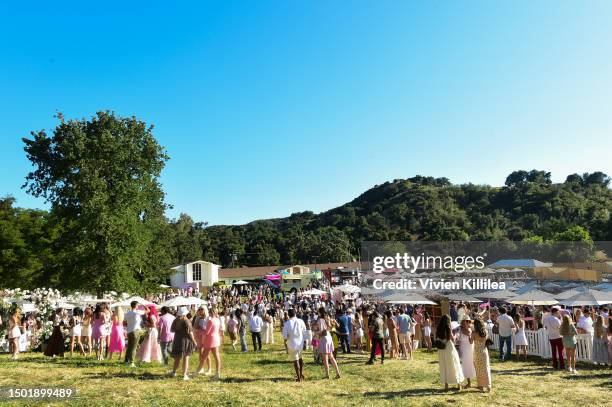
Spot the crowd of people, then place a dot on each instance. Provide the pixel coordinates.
(325, 326)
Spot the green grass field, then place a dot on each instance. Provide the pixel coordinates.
(266, 378)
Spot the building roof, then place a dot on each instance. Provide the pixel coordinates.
(191, 262)
(262, 271)
(526, 263)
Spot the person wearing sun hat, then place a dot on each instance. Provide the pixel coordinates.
(184, 342)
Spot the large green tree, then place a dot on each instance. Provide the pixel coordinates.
(101, 177)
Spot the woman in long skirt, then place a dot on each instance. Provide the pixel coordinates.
(466, 350)
(600, 348)
(392, 327)
(448, 358)
(150, 350)
(116, 343)
(55, 347)
(481, 356)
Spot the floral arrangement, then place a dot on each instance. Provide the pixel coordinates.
(46, 301)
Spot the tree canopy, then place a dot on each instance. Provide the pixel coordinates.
(101, 177)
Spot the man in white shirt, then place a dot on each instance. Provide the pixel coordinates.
(133, 321)
(293, 333)
(552, 323)
(505, 324)
(255, 325)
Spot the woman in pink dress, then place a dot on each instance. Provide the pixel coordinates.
(199, 324)
(98, 332)
(117, 335)
(150, 351)
(212, 342)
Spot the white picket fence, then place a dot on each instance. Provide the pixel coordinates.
(538, 344)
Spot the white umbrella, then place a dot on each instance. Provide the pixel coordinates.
(496, 294)
(28, 307)
(408, 298)
(128, 302)
(534, 297)
(314, 291)
(182, 301)
(570, 293)
(65, 305)
(164, 286)
(241, 282)
(590, 297)
(94, 300)
(348, 288)
(463, 298)
(603, 287)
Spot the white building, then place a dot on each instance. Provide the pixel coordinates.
(198, 273)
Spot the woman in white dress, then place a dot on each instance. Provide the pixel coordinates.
(14, 333)
(448, 358)
(520, 339)
(427, 331)
(466, 350)
(76, 330)
(265, 329)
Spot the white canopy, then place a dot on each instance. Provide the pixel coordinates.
(534, 297)
(164, 286)
(241, 282)
(182, 301)
(348, 288)
(590, 297)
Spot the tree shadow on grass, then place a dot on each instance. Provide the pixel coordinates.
(268, 362)
(579, 377)
(415, 392)
(522, 372)
(128, 375)
(72, 363)
(253, 380)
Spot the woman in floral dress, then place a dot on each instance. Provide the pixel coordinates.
(481, 356)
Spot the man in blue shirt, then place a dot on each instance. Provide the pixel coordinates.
(344, 331)
(403, 329)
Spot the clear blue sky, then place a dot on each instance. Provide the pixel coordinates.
(272, 107)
